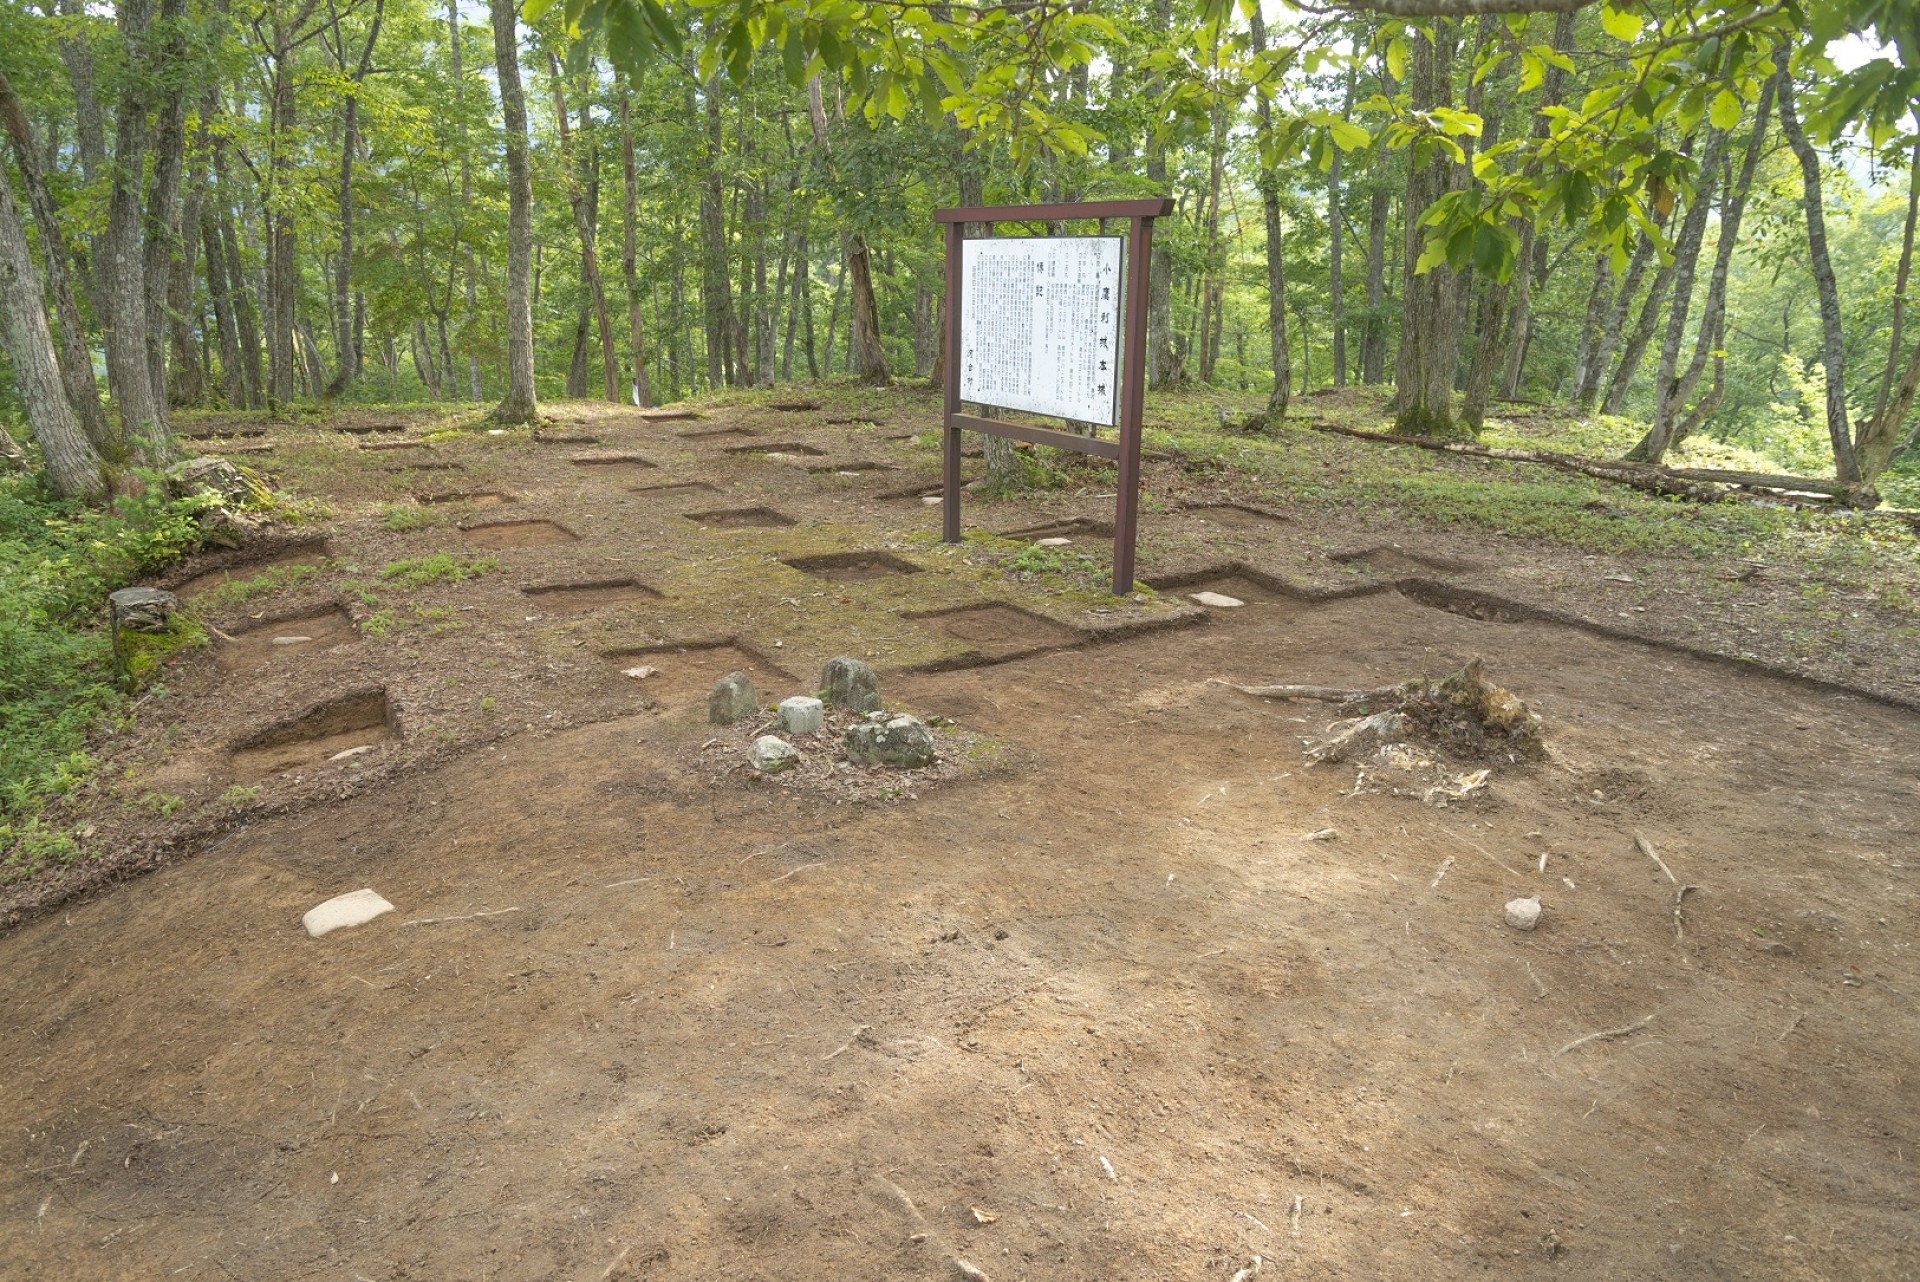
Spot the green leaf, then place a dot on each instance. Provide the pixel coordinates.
(1397, 58)
(1348, 136)
(1727, 109)
(536, 10)
(1621, 24)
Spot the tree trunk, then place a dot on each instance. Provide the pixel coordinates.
(716, 286)
(518, 406)
(72, 464)
(867, 358)
(1587, 389)
(1901, 277)
(1163, 362)
(583, 197)
(233, 382)
(187, 375)
(1532, 255)
(1269, 183)
(76, 361)
(142, 422)
(1636, 346)
(636, 336)
(576, 385)
(1429, 342)
(349, 147)
(1373, 342)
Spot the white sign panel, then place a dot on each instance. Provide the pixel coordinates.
(1040, 324)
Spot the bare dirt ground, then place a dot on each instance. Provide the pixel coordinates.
(1094, 1005)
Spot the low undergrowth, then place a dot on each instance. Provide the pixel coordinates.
(58, 562)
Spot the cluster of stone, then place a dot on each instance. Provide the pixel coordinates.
(881, 739)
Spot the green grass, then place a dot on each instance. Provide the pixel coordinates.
(437, 567)
(58, 562)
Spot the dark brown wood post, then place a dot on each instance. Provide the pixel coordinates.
(1133, 388)
(950, 436)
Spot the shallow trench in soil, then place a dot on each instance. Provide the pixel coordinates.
(1106, 1012)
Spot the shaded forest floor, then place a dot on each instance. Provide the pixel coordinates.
(1127, 990)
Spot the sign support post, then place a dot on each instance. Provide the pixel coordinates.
(1133, 376)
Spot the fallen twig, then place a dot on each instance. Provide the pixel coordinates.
(802, 868)
(617, 1261)
(1294, 1224)
(1512, 872)
(858, 1033)
(1442, 874)
(1646, 848)
(1790, 1027)
(1251, 1271)
(1606, 1035)
(1323, 694)
(435, 921)
(1538, 987)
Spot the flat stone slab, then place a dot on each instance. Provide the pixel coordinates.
(355, 908)
(1218, 600)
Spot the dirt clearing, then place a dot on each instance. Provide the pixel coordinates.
(1143, 995)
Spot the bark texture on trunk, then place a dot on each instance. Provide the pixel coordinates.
(349, 148)
(1276, 260)
(1373, 342)
(76, 361)
(583, 196)
(136, 401)
(518, 405)
(1429, 341)
(71, 462)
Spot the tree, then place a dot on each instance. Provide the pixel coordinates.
(518, 404)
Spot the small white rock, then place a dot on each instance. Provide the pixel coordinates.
(931, 499)
(801, 714)
(1523, 914)
(291, 640)
(1218, 600)
(355, 908)
(771, 754)
(351, 752)
(1053, 543)
(640, 673)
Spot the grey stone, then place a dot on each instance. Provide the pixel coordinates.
(733, 697)
(1523, 914)
(802, 714)
(850, 684)
(898, 741)
(770, 754)
(142, 609)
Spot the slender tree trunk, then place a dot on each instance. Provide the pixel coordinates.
(1587, 389)
(471, 315)
(1531, 255)
(582, 196)
(636, 336)
(1269, 182)
(71, 462)
(423, 362)
(1900, 286)
(1846, 466)
(233, 381)
(1733, 206)
(518, 405)
(1423, 378)
(867, 357)
(1336, 288)
(1163, 362)
(716, 286)
(349, 147)
(1373, 342)
(576, 386)
(1686, 261)
(76, 361)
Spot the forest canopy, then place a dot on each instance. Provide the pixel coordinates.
(1700, 216)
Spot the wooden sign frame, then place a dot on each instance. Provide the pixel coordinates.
(1133, 369)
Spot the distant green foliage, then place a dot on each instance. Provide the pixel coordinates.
(439, 567)
(58, 561)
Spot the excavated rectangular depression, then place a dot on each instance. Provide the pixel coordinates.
(741, 518)
(263, 642)
(1078, 531)
(612, 462)
(313, 553)
(853, 468)
(573, 598)
(501, 535)
(852, 567)
(675, 487)
(999, 632)
(478, 498)
(362, 719)
(1236, 516)
(684, 674)
(798, 449)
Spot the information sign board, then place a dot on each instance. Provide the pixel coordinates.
(1040, 324)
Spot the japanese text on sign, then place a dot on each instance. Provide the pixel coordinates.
(1040, 325)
